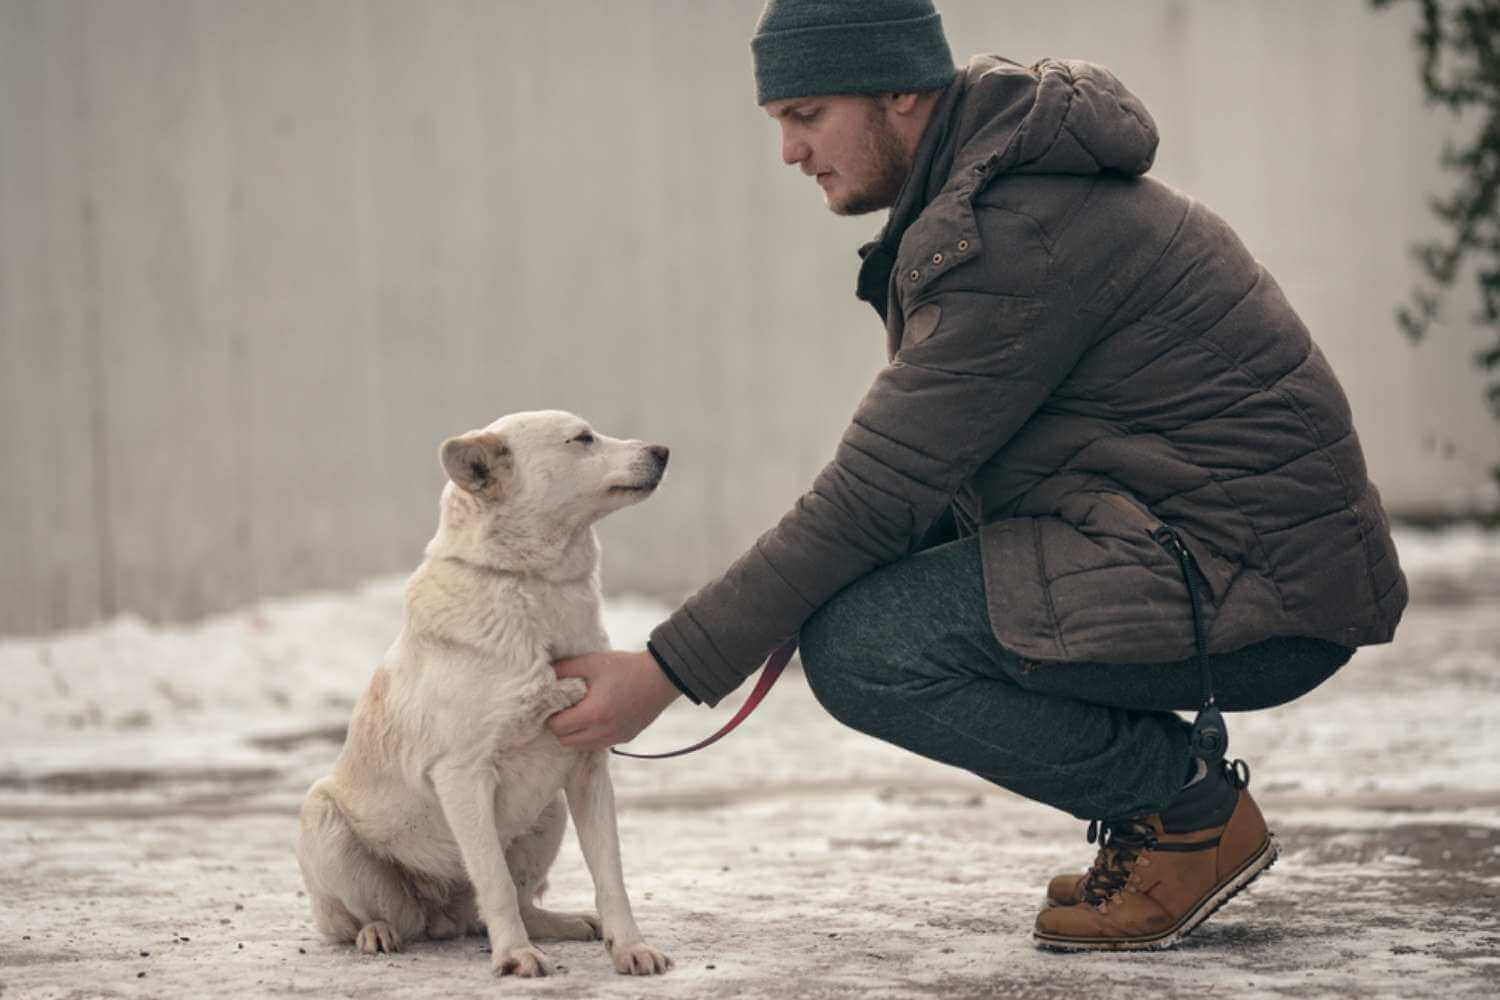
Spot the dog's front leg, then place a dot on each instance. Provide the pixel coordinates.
(467, 796)
(591, 800)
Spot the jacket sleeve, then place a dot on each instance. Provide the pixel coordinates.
(934, 414)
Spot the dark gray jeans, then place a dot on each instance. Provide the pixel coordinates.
(906, 655)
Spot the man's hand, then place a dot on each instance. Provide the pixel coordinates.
(627, 691)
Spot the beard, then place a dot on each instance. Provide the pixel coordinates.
(889, 167)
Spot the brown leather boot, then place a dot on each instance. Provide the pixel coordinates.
(1065, 890)
(1158, 877)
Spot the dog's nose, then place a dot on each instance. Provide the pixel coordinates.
(659, 452)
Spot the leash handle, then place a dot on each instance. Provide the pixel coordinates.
(775, 664)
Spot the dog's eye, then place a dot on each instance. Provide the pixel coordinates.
(585, 438)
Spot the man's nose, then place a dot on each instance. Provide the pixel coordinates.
(793, 150)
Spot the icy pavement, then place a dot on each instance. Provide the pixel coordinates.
(149, 779)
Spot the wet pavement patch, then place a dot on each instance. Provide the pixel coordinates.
(284, 742)
(83, 782)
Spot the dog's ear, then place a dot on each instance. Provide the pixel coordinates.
(478, 462)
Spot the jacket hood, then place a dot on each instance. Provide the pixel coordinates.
(1061, 116)
(999, 117)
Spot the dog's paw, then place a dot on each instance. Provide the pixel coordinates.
(639, 959)
(588, 926)
(378, 936)
(572, 690)
(525, 961)
(550, 925)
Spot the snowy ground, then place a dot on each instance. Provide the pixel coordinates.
(149, 779)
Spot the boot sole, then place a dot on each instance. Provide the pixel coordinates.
(1226, 890)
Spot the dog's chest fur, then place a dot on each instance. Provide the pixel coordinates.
(504, 616)
(470, 680)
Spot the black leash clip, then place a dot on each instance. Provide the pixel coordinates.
(1210, 737)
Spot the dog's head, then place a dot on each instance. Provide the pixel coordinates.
(553, 465)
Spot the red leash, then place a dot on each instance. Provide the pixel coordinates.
(775, 664)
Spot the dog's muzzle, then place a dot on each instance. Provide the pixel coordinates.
(651, 477)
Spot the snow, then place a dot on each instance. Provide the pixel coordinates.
(149, 777)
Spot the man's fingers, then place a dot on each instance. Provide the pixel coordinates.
(585, 738)
(574, 729)
(568, 668)
(569, 720)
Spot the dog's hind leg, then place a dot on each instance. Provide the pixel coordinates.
(457, 915)
(530, 857)
(356, 896)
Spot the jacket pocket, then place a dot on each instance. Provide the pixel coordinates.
(1216, 572)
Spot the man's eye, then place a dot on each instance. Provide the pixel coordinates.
(805, 117)
(585, 437)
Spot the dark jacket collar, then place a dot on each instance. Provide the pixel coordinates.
(998, 117)
(931, 164)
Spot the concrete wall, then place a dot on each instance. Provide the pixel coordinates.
(258, 258)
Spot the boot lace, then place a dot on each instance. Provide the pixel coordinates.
(1121, 843)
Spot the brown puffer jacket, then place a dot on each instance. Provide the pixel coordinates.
(1079, 356)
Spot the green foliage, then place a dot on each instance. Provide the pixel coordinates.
(1459, 45)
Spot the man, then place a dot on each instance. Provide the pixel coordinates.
(1106, 475)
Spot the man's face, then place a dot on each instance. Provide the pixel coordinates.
(848, 144)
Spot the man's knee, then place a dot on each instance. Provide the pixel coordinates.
(825, 663)
(834, 672)
(819, 652)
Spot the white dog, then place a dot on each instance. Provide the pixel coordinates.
(446, 807)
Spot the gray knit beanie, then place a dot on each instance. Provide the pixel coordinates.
(809, 48)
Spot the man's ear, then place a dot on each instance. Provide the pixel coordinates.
(903, 102)
(478, 462)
